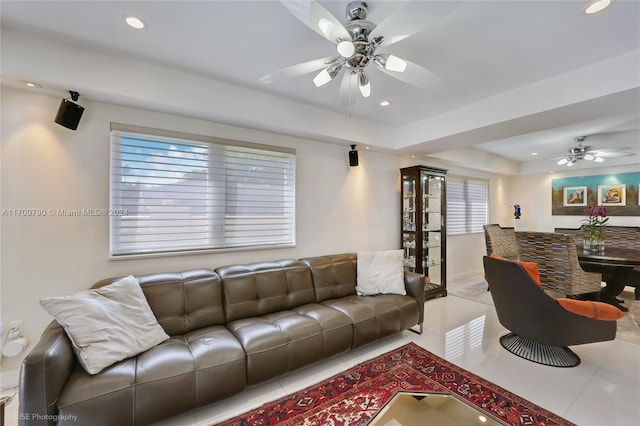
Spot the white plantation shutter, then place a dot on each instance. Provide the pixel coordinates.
(173, 194)
(467, 205)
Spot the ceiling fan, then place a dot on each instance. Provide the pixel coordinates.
(357, 42)
(589, 153)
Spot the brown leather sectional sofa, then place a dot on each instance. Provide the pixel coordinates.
(230, 328)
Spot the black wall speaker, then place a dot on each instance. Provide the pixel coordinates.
(353, 156)
(69, 114)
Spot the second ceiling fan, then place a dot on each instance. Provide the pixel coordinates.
(589, 153)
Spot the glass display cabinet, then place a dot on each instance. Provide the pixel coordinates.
(423, 225)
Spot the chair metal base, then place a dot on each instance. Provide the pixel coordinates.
(554, 356)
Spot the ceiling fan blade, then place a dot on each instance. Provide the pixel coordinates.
(319, 19)
(410, 19)
(416, 75)
(611, 153)
(298, 69)
(348, 89)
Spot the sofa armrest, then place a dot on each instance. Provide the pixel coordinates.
(44, 373)
(414, 285)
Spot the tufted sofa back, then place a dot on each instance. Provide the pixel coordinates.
(260, 288)
(182, 301)
(334, 276)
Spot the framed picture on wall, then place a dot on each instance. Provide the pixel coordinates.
(574, 196)
(612, 195)
(618, 192)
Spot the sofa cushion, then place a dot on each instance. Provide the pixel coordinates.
(277, 343)
(182, 301)
(376, 316)
(334, 276)
(261, 288)
(177, 375)
(380, 272)
(108, 324)
(337, 328)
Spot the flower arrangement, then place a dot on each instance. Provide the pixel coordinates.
(595, 222)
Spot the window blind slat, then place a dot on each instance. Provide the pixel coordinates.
(467, 205)
(183, 195)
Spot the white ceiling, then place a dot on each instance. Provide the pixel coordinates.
(516, 76)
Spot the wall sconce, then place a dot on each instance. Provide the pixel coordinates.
(69, 113)
(353, 156)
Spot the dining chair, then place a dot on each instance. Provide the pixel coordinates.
(540, 327)
(626, 237)
(577, 232)
(557, 260)
(500, 241)
(622, 236)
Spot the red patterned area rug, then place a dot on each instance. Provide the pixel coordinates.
(356, 395)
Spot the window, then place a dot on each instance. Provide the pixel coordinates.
(173, 192)
(466, 205)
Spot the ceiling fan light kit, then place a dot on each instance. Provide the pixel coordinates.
(597, 6)
(390, 62)
(590, 154)
(356, 43)
(326, 75)
(363, 83)
(579, 153)
(346, 48)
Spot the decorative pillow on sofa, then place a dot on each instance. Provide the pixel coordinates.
(380, 272)
(530, 267)
(590, 309)
(108, 324)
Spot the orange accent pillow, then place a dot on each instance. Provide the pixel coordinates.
(593, 310)
(530, 267)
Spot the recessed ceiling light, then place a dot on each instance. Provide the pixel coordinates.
(534, 153)
(385, 103)
(597, 6)
(134, 22)
(32, 85)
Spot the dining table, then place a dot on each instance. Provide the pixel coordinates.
(615, 264)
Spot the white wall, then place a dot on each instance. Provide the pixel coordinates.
(535, 199)
(464, 252)
(45, 166)
(339, 208)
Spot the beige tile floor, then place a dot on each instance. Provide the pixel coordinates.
(604, 390)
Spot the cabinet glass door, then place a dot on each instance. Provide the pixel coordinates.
(409, 221)
(432, 227)
(423, 225)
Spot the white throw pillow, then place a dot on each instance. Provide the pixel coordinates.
(108, 324)
(380, 272)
